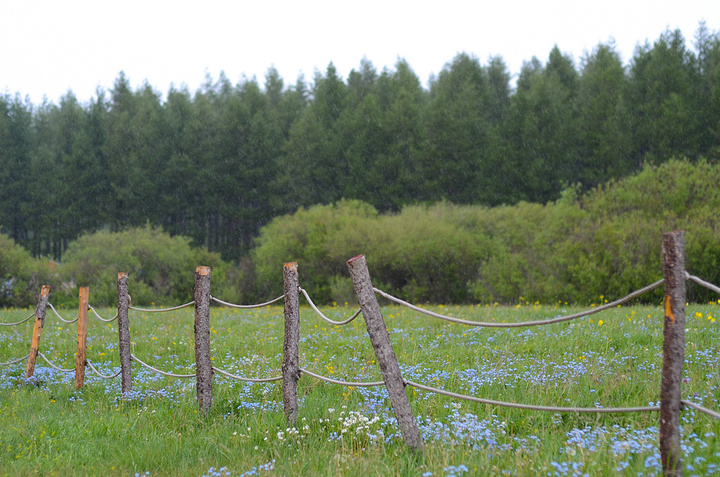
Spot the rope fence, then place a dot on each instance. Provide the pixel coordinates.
(171, 375)
(100, 317)
(15, 360)
(703, 283)
(18, 322)
(674, 278)
(533, 407)
(321, 315)
(341, 383)
(162, 310)
(486, 324)
(113, 376)
(52, 365)
(245, 307)
(60, 317)
(252, 380)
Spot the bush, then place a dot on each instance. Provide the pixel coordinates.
(161, 269)
(582, 248)
(22, 276)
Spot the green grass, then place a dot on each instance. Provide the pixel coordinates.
(610, 359)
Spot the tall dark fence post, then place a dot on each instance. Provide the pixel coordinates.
(81, 361)
(203, 363)
(37, 329)
(673, 255)
(291, 344)
(124, 331)
(387, 360)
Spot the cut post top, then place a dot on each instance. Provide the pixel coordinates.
(122, 275)
(202, 270)
(45, 291)
(357, 257)
(290, 266)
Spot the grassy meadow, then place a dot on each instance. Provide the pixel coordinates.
(610, 359)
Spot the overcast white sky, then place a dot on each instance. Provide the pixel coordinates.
(48, 47)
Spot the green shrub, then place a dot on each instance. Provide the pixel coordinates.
(22, 276)
(161, 269)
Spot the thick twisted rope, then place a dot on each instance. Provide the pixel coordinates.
(252, 380)
(15, 360)
(342, 383)
(526, 323)
(19, 322)
(707, 285)
(60, 317)
(100, 317)
(132, 356)
(701, 409)
(533, 407)
(161, 310)
(320, 314)
(259, 305)
(103, 375)
(56, 367)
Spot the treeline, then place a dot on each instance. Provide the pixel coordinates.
(216, 165)
(581, 249)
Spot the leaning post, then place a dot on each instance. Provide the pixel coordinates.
(386, 357)
(203, 363)
(673, 256)
(81, 361)
(124, 332)
(291, 344)
(37, 329)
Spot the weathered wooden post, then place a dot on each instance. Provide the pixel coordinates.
(387, 360)
(203, 363)
(291, 344)
(81, 361)
(673, 255)
(124, 332)
(37, 329)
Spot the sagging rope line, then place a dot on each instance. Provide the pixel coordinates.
(132, 356)
(60, 317)
(19, 322)
(100, 317)
(259, 305)
(320, 314)
(526, 323)
(56, 367)
(15, 360)
(102, 375)
(701, 282)
(252, 380)
(342, 383)
(701, 409)
(533, 407)
(161, 310)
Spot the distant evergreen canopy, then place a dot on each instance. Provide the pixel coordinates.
(218, 164)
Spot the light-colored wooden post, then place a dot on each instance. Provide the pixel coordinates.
(37, 329)
(673, 255)
(203, 363)
(124, 332)
(387, 360)
(81, 360)
(291, 344)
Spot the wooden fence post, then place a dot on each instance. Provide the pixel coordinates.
(673, 255)
(81, 360)
(37, 329)
(203, 363)
(291, 345)
(387, 360)
(124, 332)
